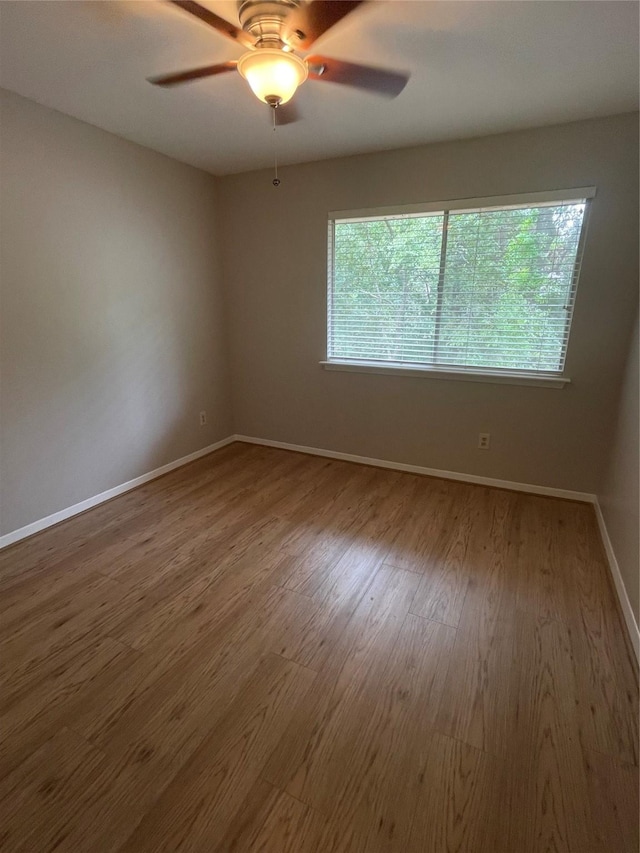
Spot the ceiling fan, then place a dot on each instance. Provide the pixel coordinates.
(273, 30)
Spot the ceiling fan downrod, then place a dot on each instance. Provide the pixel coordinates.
(276, 179)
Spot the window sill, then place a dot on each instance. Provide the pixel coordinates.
(457, 374)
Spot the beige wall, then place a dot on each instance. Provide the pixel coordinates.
(113, 334)
(275, 271)
(619, 494)
(112, 339)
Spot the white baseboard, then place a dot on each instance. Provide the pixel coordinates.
(623, 598)
(550, 491)
(63, 514)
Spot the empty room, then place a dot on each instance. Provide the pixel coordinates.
(319, 412)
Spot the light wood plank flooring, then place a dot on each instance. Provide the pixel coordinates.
(266, 651)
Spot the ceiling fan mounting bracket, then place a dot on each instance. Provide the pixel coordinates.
(264, 20)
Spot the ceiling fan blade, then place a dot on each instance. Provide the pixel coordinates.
(192, 74)
(311, 20)
(220, 24)
(287, 114)
(388, 83)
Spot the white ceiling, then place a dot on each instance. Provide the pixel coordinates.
(477, 68)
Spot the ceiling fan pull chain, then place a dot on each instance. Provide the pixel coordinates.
(276, 180)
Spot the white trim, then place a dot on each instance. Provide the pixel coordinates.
(466, 204)
(506, 377)
(550, 491)
(623, 598)
(63, 514)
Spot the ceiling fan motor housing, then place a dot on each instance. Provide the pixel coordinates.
(264, 19)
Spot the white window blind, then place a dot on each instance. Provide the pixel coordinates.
(477, 287)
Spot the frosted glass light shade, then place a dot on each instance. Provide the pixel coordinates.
(273, 75)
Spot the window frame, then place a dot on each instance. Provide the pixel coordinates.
(554, 379)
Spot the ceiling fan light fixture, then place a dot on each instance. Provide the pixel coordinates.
(272, 74)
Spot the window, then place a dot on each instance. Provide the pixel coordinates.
(483, 287)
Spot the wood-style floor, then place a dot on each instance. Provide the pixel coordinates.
(266, 651)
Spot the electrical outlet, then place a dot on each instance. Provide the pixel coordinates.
(483, 440)
(203, 418)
